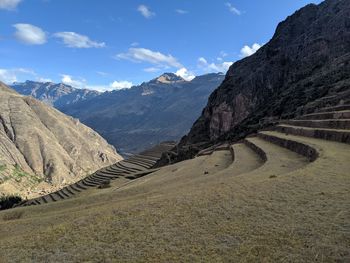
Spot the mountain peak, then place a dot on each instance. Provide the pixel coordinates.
(169, 78)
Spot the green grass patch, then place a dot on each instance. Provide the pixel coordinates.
(2, 167)
(18, 174)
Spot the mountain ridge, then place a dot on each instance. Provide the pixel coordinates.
(54, 94)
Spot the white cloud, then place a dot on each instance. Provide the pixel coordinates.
(44, 80)
(115, 85)
(9, 4)
(213, 67)
(223, 54)
(118, 85)
(202, 61)
(247, 51)
(9, 76)
(29, 34)
(185, 74)
(135, 44)
(102, 73)
(75, 40)
(145, 11)
(76, 83)
(152, 69)
(81, 83)
(233, 9)
(153, 57)
(181, 11)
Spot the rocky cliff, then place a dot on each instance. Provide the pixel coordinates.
(40, 145)
(307, 58)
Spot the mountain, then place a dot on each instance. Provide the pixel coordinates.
(41, 148)
(138, 118)
(308, 58)
(57, 95)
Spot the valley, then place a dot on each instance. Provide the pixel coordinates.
(134, 119)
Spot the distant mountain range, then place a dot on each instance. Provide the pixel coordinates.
(136, 118)
(57, 95)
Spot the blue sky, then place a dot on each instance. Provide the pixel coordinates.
(109, 44)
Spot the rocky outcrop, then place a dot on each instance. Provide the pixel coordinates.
(307, 59)
(39, 144)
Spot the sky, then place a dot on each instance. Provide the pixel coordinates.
(114, 44)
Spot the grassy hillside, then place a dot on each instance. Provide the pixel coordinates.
(268, 205)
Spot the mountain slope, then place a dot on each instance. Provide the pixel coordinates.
(57, 95)
(138, 118)
(41, 144)
(307, 59)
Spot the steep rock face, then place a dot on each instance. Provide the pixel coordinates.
(159, 110)
(57, 95)
(39, 143)
(307, 58)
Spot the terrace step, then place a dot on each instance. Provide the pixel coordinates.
(117, 170)
(103, 176)
(143, 157)
(278, 160)
(67, 192)
(89, 184)
(44, 199)
(128, 168)
(330, 124)
(319, 133)
(61, 196)
(286, 142)
(110, 171)
(124, 168)
(133, 168)
(124, 165)
(141, 164)
(141, 174)
(63, 193)
(142, 160)
(335, 108)
(326, 115)
(77, 187)
(244, 159)
(94, 180)
(53, 198)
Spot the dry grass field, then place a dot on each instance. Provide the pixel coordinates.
(208, 209)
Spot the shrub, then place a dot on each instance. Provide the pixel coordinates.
(7, 202)
(105, 184)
